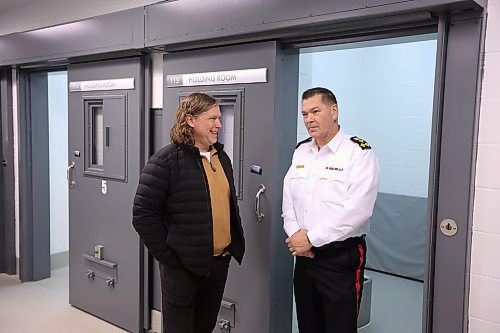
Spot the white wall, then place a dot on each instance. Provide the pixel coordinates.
(485, 268)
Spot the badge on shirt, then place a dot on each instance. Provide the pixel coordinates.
(334, 168)
(300, 166)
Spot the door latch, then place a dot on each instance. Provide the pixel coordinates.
(224, 324)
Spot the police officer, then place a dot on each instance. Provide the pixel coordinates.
(328, 198)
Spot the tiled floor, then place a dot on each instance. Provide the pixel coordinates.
(42, 307)
(396, 305)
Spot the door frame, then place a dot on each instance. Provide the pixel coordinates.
(455, 113)
(34, 238)
(7, 181)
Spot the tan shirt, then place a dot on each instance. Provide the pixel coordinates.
(219, 200)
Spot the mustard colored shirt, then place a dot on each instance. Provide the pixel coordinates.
(219, 201)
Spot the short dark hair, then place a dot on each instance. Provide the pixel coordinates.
(327, 96)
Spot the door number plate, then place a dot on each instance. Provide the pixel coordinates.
(448, 227)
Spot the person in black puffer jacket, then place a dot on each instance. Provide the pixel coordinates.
(185, 211)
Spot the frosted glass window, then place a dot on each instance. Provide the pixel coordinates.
(58, 161)
(97, 135)
(226, 134)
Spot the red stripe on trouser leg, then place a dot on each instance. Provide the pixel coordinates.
(359, 278)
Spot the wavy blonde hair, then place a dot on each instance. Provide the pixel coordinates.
(193, 105)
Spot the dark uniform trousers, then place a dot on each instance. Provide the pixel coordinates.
(190, 303)
(328, 288)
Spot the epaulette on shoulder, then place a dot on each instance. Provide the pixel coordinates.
(361, 143)
(303, 141)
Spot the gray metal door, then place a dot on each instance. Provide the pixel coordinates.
(259, 120)
(7, 223)
(104, 162)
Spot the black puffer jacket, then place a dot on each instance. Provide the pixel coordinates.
(172, 211)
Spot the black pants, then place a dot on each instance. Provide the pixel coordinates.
(328, 288)
(190, 304)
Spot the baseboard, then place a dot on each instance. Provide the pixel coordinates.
(59, 260)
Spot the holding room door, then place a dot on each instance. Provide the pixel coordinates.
(7, 223)
(259, 123)
(104, 162)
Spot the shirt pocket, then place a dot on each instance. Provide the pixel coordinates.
(299, 179)
(300, 174)
(332, 185)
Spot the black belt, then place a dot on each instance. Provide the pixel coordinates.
(349, 242)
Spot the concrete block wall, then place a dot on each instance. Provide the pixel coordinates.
(484, 300)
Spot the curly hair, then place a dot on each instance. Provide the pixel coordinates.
(193, 105)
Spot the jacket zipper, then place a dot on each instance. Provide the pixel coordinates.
(209, 206)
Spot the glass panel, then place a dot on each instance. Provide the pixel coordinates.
(58, 161)
(385, 93)
(97, 135)
(226, 133)
(231, 132)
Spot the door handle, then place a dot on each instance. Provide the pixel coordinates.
(107, 136)
(69, 174)
(4, 163)
(261, 190)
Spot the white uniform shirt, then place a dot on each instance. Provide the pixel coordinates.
(331, 192)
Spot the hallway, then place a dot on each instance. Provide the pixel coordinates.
(42, 307)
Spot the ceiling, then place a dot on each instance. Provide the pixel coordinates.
(6, 4)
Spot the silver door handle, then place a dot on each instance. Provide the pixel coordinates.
(69, 174)
(261, 190)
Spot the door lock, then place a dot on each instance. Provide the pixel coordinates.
(448, 227)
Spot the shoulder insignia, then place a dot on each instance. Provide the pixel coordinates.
(361, 143)
(303, 141)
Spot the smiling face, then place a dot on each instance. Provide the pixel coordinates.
(206, 128)
(320, 119)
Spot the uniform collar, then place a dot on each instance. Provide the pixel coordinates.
(334, 143)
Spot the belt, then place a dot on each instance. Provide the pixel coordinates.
(349, 242)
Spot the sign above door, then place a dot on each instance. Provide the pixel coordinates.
(254, 75)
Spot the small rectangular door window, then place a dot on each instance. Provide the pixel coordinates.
(231, 133)
(97, 128)
(105, 136)
(226, 133)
